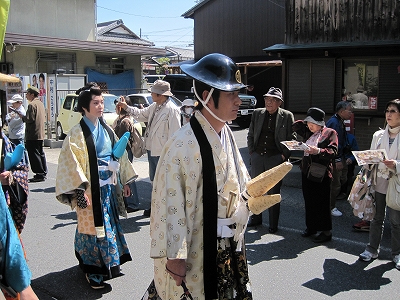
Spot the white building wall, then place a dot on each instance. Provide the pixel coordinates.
(24, 60)
(73, 19)
(134, 63)
(83, 60)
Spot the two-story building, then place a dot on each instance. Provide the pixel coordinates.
(241, 29)
(338, 50)
(53, 36)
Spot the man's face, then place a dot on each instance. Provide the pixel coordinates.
(30, 96)
(272, 104)
(228, 105)
(159, 99)
(346, 113)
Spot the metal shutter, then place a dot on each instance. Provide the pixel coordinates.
(323, 84)
(299, 94)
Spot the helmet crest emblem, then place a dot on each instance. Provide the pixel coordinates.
(238, 76)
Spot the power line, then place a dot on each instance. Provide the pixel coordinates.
(129, 14)
(182, 28)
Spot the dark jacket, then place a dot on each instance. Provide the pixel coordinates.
(283, 129)
(336, 123)
(35, 119)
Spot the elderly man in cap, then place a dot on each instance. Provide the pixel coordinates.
(34, 134)
(268, 128)
(163, 120)
(16, 126)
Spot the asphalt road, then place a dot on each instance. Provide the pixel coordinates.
(282, 265)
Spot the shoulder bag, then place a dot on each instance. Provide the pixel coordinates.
(316, 172)
(362, 193)
(137, 143)
(393, 193)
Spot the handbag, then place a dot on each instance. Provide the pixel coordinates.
(316, 172)
(393, 193)
(137, 143)
(362, 193)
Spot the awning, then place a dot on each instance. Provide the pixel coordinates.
(266, 63)
(48, 42)
(8, 78)
(330, 45)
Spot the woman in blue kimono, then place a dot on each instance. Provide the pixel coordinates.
(88, 179)
(14, 182)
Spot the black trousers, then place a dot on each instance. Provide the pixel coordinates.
(259, 164)
(37, 158)
(317, 204)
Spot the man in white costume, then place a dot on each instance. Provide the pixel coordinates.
(196, 189)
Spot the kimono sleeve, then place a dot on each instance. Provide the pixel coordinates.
(175, 201)
(73, 169)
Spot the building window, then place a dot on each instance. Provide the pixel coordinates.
(110, 64)
(56, 62)
(360, 83)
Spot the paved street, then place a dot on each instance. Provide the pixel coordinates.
(282, 265)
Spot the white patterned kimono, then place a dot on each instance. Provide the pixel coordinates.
(176, 224)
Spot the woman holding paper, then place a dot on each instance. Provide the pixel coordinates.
(389, 140)
(322, 145)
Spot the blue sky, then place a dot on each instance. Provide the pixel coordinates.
(155, 20)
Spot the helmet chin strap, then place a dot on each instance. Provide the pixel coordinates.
(205, 102)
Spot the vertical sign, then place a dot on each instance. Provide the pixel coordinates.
(373, 102)
(52, 97)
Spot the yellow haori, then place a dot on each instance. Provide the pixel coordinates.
(261, 184)
(258, 204)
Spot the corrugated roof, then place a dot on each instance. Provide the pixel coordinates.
(123, 40)
(182, 52)
(70, 44)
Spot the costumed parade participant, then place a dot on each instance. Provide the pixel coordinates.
(88, 180)
(14, 271)
(196, 250)
(14, 179)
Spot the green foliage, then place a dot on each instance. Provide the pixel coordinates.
(164, 63)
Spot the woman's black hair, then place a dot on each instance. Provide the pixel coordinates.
(85, 96)
(200, 88)
(395, 102)
(87, 87)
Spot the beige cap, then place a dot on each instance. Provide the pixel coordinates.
(15, 98)
(161, 87)
(32, 89)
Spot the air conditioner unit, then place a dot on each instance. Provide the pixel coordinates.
(7, 68)
(10, 68)
(3, 68)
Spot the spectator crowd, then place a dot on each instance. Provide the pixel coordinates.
(199, 202)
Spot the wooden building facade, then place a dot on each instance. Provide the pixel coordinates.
(241, 29)
(335, 49)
